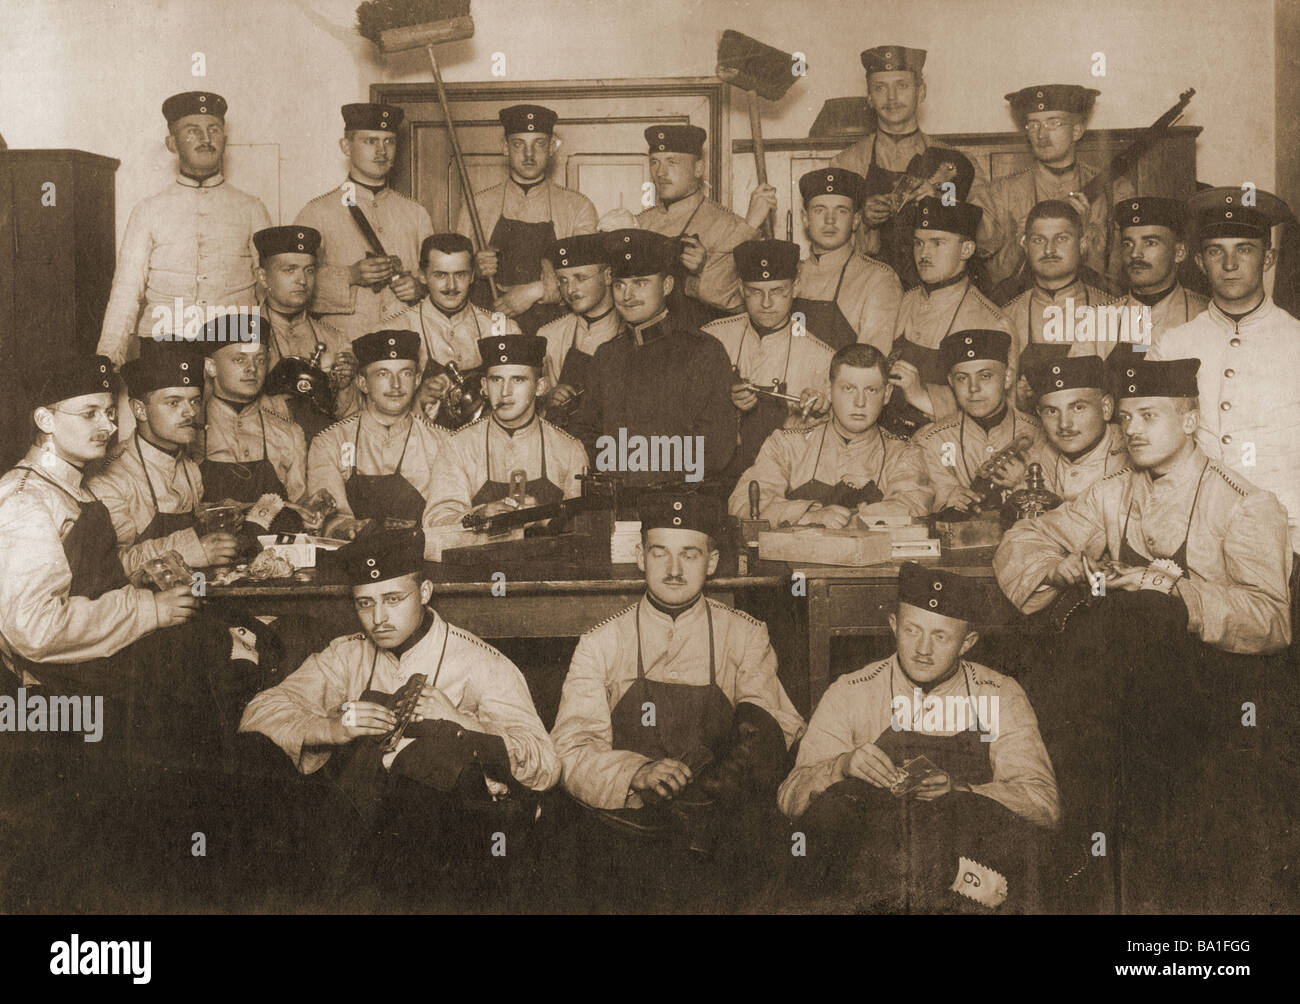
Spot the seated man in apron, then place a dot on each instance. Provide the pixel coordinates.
(771, 350)
(475, 465)
(377, 463)
(458, 779)
(673, 727)
(522, 216)
(986, 422)
(943, 245)
(1169, 581)
(873, 846)
(582, 269)
(844, 296)
(287, 271)
(1055, 245)
(844, 468)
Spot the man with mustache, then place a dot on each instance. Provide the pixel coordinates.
(523, 215)
(768, 348)
(1054, 118)
(378, 462)
(359, 288)
(448, 324)
(1174, 576)
(895, 90)
(287, 271)
(844, 468)
(474, 467)
(705, 283)
(986, 422)
(193, 241)
(843, 296)
(1055, 245)
(581, 264)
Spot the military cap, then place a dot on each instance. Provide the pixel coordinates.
(761, 260)
(286, 240)
(373, 117)
(1168, 378)
(72, 375)
(235, 328)
(974, 343)
(512, 350)
(1274, 209)
(1070, 373)
(580, 249)
(382, 555)
(676, 139)
(1225, 216)
(1151, 211)
(681, 510)
(930, 213)
(892, 57)
(193, 103)
(380, 345)
(163, 364)
(640, 252)
(527, 118)
(1051, 98)
(939, 591)
(833, 181)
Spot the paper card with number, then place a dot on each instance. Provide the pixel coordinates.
(980, 883)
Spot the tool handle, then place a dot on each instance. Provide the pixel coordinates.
(760, 155)
(755, 500)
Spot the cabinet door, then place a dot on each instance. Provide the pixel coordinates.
(44, 249)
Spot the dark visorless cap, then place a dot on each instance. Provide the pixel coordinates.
(527, 118)
(1151, 211)
(962, 218)
(1052, 98)
(512, 350)
(372, 117)
(580, 249)
(676, 139)
(1070, 373)
(286, 240)
(1169, 378)
(683, 511)
(762, 260)
(71, 375)
(163, 364)
(892, 57)
(382, 555)
(380, 345)
(234, 328)
(974, 343)
(833, 181)
(939, 591)
(639, 252)
(193, 103)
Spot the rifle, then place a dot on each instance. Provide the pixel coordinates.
(1123, 160)
(536, 513)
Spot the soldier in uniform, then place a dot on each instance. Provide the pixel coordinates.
(992, 774)
(1055, 246)
(473, 470)
(365, 225)
(704, 276)
(671, 707)
(1172, 578)
(943, 246)
(192, 242)
(844, 296)
(657, 377)
(769, 350)
(842, 468)
(287, 271)
(581, 266)
(523, 215)
(1054, 118)
(377, 463)
(986, 422)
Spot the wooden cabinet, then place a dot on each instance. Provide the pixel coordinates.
(57, 253)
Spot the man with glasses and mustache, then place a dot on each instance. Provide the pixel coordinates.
(523, 215)
(192, 242)
(1054, 118)
(359, 288)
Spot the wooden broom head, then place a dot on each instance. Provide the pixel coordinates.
(396, 25)
(747, 63)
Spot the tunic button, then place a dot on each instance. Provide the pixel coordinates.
(1230, 373)
(1226, 406)
(1225, 440)
(460, 733)
(1235, 342)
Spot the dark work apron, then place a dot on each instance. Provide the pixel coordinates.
(881, 182)
(540, 488)
(899, 416)
(694, 313)
(842, 494)
(576, 368)
(164, 524)
(374, 496)
(242, 482)
(522, 246)
(768, 415)
(1130, 556)
(824, 318)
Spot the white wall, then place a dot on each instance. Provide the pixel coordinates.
(91, 75)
